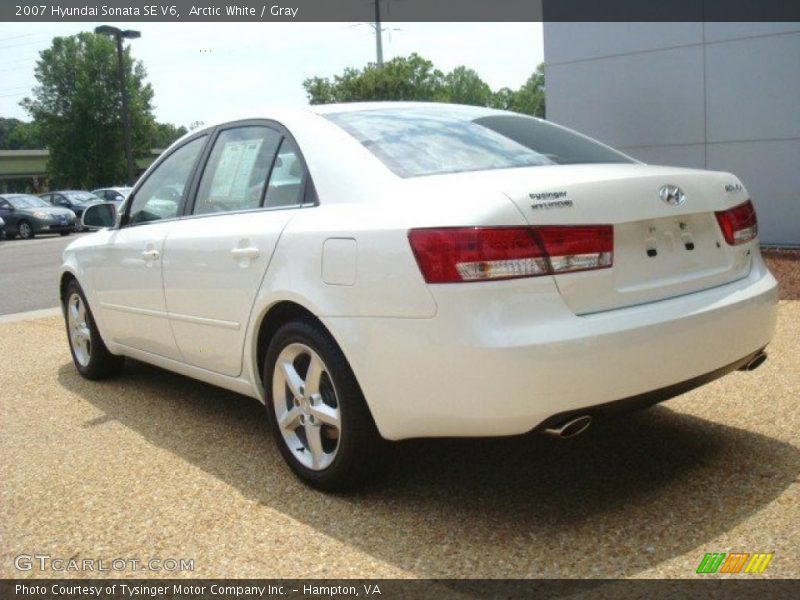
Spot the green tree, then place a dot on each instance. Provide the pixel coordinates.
(18, 135)
(166, 133)
(503, 99)
(415, 78)
(402, 78)
(529, 99)
(77, 103)
(319, 90)
(464, 86)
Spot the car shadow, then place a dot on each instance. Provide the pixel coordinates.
(624, 497)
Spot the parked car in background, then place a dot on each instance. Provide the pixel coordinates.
(2, 229)
(75, 200)
(113, 194)
(387, 271)
(27, 215)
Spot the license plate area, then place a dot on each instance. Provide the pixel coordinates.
(672, 251)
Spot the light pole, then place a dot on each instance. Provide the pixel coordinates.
(378, 40)
(119, 34)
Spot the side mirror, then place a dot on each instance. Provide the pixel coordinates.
(100, 215)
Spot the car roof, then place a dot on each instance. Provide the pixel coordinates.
(289, 114)
(463, 111)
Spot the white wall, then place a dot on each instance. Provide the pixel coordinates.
(720, 96)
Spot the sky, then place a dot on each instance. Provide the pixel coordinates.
(208, 71)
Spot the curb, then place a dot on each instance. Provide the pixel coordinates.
(30, 315)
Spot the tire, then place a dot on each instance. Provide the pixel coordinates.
(92, 360)
(25, 230)
(346, 455)
(65, 233)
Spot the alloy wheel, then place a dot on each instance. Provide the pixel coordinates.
(306, 406)
(79, 333)
(25, 230)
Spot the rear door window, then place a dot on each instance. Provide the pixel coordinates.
(287, 180)
(236, 172)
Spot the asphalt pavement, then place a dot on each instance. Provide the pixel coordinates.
(29, 272)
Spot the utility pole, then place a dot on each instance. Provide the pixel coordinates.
(119, 34)
(378, 40)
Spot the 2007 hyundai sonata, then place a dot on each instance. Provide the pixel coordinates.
(377, 272)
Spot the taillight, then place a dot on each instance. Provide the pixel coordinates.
(738, 224)
(452, 255)
(578, 248)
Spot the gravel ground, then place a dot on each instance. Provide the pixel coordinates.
(785, 265)
(156, 465)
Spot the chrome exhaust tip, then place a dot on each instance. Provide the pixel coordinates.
(755, 362)
(570, 428)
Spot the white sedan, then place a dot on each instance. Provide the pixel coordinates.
(376, 272)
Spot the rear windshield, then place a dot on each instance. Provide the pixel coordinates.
(429, 141)
(81, 197)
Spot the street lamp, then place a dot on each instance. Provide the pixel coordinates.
(119, 34)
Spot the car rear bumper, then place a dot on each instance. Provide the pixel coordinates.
(647, 399)
(508, 358)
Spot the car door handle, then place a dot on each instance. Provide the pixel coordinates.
(151, 254)
(251, 253)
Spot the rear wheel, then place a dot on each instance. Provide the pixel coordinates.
(89, 353)
(25, 230)
(318, 415)
(63, 233)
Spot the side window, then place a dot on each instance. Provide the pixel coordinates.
(4, 204)
(237, 170)
(47, 198)
(288, 175)
(161, 193)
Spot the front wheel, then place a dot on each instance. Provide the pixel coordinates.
(90, 355)
(25, 230)
(318, 415)
(64, 233)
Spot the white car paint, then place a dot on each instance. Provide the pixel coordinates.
(466, 359)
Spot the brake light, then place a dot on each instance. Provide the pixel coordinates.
(738, 224)
(459, 254)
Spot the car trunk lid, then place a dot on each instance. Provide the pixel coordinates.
(663, 247)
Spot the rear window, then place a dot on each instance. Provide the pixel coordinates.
(81, 197)
(430, 141)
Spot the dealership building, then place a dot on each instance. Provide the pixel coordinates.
(721, 96)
